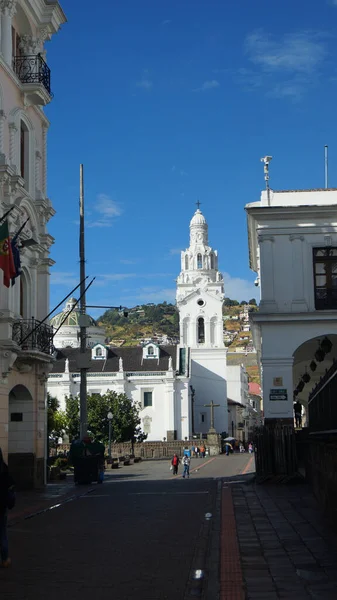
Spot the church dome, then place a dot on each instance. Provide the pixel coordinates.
(198, 218)
(72, 319)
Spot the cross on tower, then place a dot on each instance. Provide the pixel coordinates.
(212, 406)
(198, 204)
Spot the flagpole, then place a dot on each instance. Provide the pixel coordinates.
(83, 329)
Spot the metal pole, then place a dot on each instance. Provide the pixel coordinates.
(326, 165)
(109, 438)
(83, 329)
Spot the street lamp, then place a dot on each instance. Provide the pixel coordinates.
(110, 416)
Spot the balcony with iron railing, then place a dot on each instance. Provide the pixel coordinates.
(34, 74)
(32, 335)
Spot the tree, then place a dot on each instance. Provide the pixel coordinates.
(252, 301)
(243, 303)
(229, 302)
(125, 422)
(56, 419)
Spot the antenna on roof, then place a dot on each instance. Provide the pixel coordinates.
(266, 160)
(326, 165)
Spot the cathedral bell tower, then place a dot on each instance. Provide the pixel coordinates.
(200, 290)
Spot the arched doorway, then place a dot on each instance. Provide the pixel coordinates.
(21, 420)
(310, 365)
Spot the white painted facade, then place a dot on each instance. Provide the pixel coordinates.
(237, 384)
(298, 308)
(200, 295)
(25, 363)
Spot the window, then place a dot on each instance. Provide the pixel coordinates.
(212, 261)
(199, 261)
(200, 302)
(150, 351)
(325, 275)
(147, 399)
(98, 351)
(24, 152)
(186, 262)
(203, 418)
(201, 331)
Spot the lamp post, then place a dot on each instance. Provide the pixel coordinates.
(110, 416)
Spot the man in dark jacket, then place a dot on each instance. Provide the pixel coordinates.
(6, 482)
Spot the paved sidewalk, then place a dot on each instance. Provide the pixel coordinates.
(282, 546)
(30, 502)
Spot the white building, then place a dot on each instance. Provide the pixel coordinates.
(293, 250)
(25, 344)
(165, 379)
(67, 326)
(200, 296)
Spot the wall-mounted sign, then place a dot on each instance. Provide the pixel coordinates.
(278, 394)
(278, 381)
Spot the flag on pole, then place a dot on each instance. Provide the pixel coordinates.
(16, 253)
(6, 255)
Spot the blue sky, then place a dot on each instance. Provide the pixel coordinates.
(168, 101)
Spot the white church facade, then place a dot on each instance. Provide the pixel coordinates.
(173, 383)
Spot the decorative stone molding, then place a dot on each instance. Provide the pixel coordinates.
(12, 133)
(328, 240)
(296, 236)
(29, 44)
(7, 360)
(44, 161)
(8, 7)
(265, 238)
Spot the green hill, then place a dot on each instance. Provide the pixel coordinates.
(154, 320)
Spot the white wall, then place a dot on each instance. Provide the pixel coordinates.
(208, 377)
(170, 398)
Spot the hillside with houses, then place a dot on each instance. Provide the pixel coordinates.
(160, 323)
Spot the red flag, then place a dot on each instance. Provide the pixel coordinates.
(6, 255)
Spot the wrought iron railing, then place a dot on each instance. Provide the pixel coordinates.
(30, 334)
(32, 69)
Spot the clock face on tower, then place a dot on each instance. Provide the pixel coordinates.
(199, 237)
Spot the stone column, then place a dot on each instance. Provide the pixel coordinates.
(8, 9)
(207, 325)
(298, 303)
(44, 161)
(12, 135)
(277, 384)
(2, 144)
(267, 303)
(38, 157)
(171, 432)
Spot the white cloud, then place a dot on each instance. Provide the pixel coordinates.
(240, 289)
(296, 52)
(64, 278)
(150, 294)
(208, 85)
(286, 65)
(145, 83)
(107, 208)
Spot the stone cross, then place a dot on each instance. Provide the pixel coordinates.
(212, 406)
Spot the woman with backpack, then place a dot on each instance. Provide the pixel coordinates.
(7, 501)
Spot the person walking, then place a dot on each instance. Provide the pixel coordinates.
(202, 451)
(186, 465)
(6, 501)
(229, 448)
(298, 414)
(175, 463)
